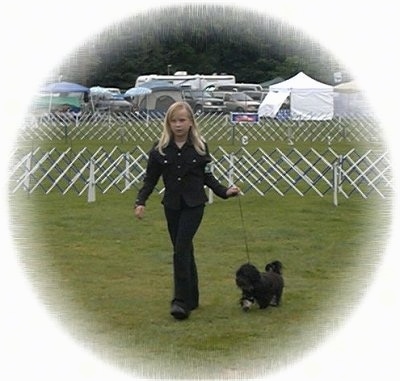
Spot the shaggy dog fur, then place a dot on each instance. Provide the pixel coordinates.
(263, 288)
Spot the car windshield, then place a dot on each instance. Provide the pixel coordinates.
(201, 94)
(241, 97)
(113, 90)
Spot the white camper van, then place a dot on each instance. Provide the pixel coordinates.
(192, 81)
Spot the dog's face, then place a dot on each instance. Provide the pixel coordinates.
(247, 276)
(275, 266)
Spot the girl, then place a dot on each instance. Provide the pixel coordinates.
(181, 157)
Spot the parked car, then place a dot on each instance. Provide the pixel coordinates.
(201, 101)
(115, 92)
(234, 87)
(113, 105)
(240, 102)
(256, 95)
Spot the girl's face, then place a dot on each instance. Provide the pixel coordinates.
(180, 124)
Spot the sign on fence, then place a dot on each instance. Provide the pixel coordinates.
(248, 117)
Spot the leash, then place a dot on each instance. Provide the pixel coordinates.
(232, 160)
(244, 230)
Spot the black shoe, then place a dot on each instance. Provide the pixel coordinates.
(179, 312)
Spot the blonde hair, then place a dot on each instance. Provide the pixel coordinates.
(194, 134)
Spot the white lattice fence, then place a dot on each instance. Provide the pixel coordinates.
(364, 174)
(281, 172)
(136, 127)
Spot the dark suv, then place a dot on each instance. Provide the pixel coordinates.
(201, 101)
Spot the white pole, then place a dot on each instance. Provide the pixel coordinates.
(127, 171)
(231, 168)
(51, 101)
(27, 175)
(92, 183)
(335, 183)
(340, 166)
(147, 111)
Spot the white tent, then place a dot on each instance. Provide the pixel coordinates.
(272, 103)
(349, 100)
(347, 87)
(309, 99)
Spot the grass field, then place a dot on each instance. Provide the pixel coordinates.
(107, 278)
(92, 145)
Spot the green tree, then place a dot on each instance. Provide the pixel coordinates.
(199, 39)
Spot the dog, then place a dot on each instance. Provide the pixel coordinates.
(263, 288)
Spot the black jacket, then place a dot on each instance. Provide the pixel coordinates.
(184, 173)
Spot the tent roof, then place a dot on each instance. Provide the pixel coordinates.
(301, 81)
(347, 87)
(64, 87)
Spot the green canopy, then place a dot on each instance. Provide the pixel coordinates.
(56, 102)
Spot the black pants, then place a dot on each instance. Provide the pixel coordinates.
(182, 226)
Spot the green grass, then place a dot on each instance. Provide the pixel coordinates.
(229, 146)
(107, 277)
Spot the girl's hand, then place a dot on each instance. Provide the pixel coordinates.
(233, 191)
(139, 211)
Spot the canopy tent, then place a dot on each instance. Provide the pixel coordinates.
(309, 99)
(160, 97)
(137, 91)
(347, 87)
(272, 103)
(100, 91)
(48, 102)
(64, 89)
(349, 100)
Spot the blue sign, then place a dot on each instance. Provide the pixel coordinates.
(244, 117)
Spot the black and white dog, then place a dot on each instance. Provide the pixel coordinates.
(263, 288)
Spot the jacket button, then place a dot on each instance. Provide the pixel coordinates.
(179, 179)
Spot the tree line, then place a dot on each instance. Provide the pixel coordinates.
(199, 40)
